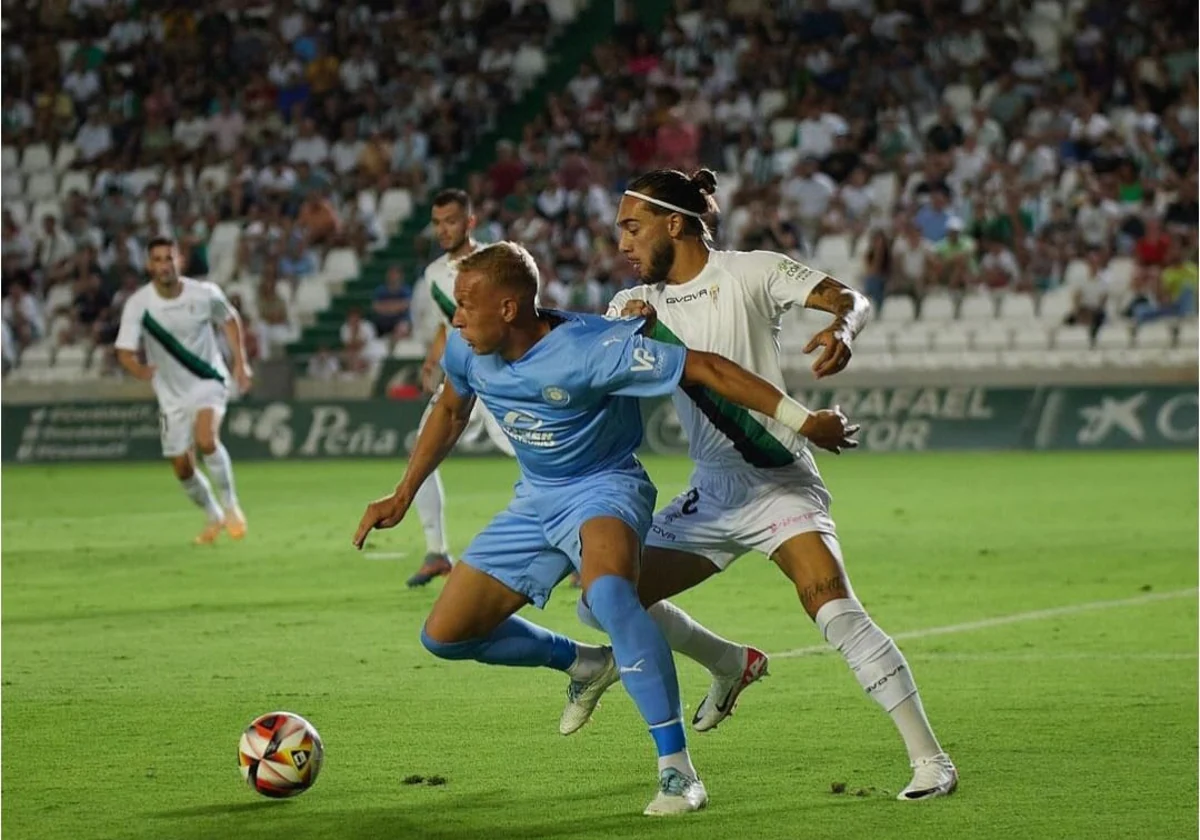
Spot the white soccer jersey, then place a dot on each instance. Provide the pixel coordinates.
(733, 308)
(180, 339)
(440, 275)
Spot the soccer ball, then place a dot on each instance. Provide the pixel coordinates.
(280, 755)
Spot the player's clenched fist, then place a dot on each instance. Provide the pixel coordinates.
(381, 513)
(830, 430)
(640, 309)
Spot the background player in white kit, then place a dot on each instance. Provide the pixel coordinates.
(174, 318)
(755, 486)
(453, 221)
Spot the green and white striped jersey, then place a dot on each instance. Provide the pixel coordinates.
(179, 336)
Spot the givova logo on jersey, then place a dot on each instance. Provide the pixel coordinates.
(710, 293)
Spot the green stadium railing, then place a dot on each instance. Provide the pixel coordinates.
(591, 27)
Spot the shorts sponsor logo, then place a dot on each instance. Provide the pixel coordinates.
(664, 533)
(794, 519)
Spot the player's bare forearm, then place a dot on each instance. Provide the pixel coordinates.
(848, 306)
(130, 362)
(444, 426)
(436, 347)
(235, 335)
(731, 381)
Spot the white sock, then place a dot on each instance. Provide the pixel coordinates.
(695, 641)
(589, 659)
(431, 502)
(881, 670)
(681, 761)
(200, 491)
(221, 469)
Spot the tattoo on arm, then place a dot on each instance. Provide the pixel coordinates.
(834, 297)
(834, 586)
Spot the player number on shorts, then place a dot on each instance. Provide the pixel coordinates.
(690, 502)
(643, 360)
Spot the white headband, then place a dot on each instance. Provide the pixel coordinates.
(669, 206)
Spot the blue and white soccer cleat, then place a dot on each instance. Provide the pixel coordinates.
(583, 696)
(677, 794)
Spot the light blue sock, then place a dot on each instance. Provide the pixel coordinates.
(515, 642)
(647, 669)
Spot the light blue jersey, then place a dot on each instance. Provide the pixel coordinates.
(570, 407)
(569, 404)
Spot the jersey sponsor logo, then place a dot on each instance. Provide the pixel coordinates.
(524, 428)
(794, 271)
(555, 395)
(663, 532)
(643, 360)
(710, 293)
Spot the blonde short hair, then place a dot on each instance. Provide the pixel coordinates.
(506, 263)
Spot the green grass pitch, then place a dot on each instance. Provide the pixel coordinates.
(131, 662)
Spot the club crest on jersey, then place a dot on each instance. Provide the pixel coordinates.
(555, 395)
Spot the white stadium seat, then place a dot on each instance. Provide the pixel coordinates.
(991, 337)
(977, 306)
(876, 338)
(41, 186)
(1189, 334)
(897, 309)
(1156, 335)
(36, 158)
(914, 338)
(1073, 338)
(395, 208)
(1017, 307)
(1054, 305)
(65, 157)
(1031, 337)
(340, 264)
(312, 298)
(951, 339)
(75, 179)
(937, 306)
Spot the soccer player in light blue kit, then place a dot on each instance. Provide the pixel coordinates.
(564, 387)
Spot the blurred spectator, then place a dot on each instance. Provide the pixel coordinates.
(1090, 295)
(360, 342)
(390, 306)
(324, 364)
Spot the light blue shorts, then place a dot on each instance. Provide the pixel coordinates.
(534, 543)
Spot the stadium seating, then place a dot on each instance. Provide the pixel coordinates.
(383, 207)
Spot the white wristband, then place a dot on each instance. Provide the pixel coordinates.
(791, 413)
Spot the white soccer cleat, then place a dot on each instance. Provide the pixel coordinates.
(584, 696)
(723, 695)
(677, 794)
(932, 777)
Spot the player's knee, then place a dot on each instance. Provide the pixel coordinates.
(613, 600)
(206, 441)
(586, 617)
(845, 625)
(449, 650)
(183, 468)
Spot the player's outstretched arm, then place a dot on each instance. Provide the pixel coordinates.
(441, 431)
(828, 428)
(850, 310)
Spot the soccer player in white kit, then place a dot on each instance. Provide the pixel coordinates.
(453, 223)
(755, 486)
(174, 317)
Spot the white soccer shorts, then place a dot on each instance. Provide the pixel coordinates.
(177, 420)
(481, 422)
(728, 513)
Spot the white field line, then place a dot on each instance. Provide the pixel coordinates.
(1013, 618)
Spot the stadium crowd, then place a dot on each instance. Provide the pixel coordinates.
(940, 155)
